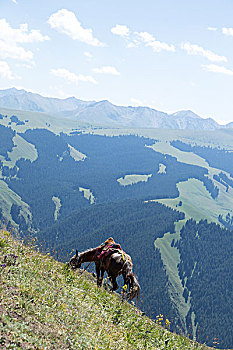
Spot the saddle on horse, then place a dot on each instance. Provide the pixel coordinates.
(106, 249)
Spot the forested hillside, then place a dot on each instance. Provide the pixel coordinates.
(55, 173)
(135, 225)
(206, 273)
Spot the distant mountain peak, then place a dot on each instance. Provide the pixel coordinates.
(185, 113)
(104, 112)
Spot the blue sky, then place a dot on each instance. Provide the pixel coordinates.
(166, 54)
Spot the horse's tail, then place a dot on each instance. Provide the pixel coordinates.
(134, 290)
(130, 280)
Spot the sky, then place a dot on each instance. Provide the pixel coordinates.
(166, 54)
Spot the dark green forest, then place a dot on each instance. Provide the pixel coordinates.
(6, 143)
(206, 272)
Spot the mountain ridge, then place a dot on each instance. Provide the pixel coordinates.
(106, 113)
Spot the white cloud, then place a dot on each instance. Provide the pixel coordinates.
(72, 77)
(21, 35)
(66, 22)
(10, 38)
(227, 31)
(8, 50)
(15, 1)
(213, 29)
(121, 30)
(88, 55)
(214, 68)
(5, 71)
(135, 39)
(198, 50)
(106, 70)
(157, 46)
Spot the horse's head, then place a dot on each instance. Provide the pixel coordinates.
(75, 261)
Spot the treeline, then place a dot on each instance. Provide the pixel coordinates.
(135, 225)
(216, 158)
(224, 180)
(211, 188)
(6, 142)
(205, 269)
(15, 119)
(226, 221)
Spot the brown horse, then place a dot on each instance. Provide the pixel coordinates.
(116, 264)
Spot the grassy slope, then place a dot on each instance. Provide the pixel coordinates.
(37, 120)
(22, 149)
(45, 305)
(8, 197)
(133, 179)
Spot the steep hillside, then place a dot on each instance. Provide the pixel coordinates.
(45, 305)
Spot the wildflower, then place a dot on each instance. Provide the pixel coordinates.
(125, 287)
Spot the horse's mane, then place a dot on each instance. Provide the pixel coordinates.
(90, 250)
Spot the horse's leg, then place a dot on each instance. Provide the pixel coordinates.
(102, 270)
(99, 281)
(97, 274)
(114, 283)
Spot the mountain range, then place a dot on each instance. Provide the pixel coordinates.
(105, 113)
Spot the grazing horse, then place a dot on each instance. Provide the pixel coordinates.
(115, 264)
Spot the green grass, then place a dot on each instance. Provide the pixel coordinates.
(38, 120)
(9, 197)
(216, 138)
(76, 155)
(87, 193)
(162, 169)
(57, 202)
(45, 305)
(133, 179)
(171, 258)
(22, 149)
(183, 157)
